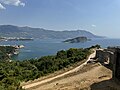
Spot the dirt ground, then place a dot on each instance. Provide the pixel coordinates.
(87, 76)
(90, 77)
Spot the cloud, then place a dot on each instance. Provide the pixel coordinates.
(1, 6)
(11, 2)
(93, 25)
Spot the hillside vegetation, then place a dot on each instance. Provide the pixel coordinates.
(12, 73)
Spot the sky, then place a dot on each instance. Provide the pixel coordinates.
(101, 17)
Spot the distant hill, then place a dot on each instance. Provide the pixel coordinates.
(29, 32)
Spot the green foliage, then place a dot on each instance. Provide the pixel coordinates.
(95, 46)
(14, 72)
(61, 54)
(5, 51)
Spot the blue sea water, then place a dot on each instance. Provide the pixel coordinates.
(43, 47)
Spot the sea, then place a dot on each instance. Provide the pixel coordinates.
(43, 47)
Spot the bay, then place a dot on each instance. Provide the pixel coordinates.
(43, 47)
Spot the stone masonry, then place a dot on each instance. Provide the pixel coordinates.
(111, 57)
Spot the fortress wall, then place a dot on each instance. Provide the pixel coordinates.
(112, 56)
(116, 68)
(104, 55)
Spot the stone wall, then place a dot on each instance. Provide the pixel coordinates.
(116, 65)
(111, 55)
(105, 56)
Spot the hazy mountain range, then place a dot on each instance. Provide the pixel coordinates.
(29, 32)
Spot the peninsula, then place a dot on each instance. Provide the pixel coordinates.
(7, 51)
(15, 39)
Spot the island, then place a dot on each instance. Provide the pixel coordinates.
(77, 40)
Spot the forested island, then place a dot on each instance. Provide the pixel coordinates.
(77, 40)
(12, 73)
